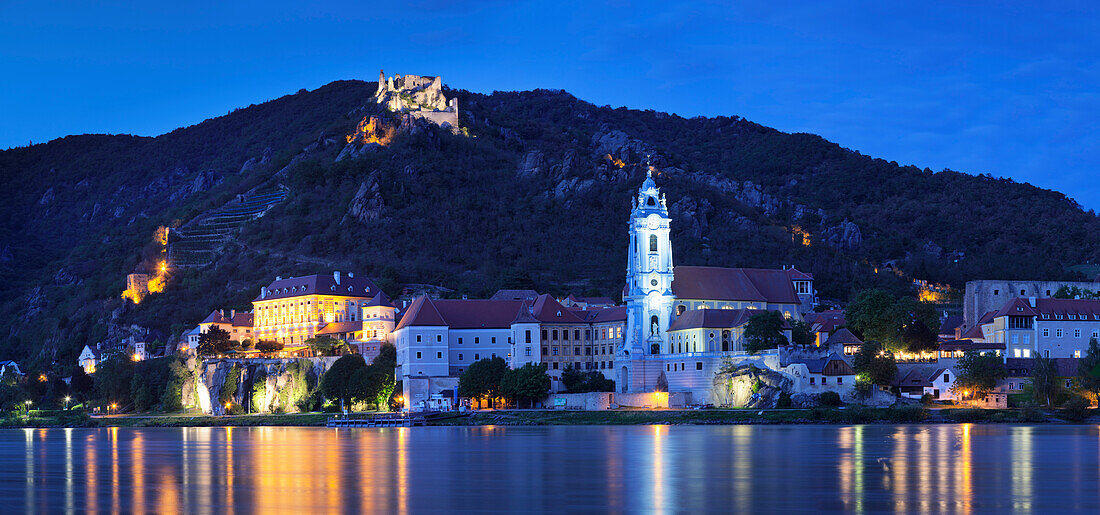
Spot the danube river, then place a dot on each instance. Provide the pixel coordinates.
(875, 468)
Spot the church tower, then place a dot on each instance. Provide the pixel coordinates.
(648, 292)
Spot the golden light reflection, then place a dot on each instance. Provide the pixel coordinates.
(1022, 452)
(658, 481)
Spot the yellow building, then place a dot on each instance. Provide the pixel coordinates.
(292, 310)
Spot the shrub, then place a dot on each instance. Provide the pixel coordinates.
(829, 399)
(907, 414)
(1032, 414)
(926, 399)
(784, 400)
(1076, 409)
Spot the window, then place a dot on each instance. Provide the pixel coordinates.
(527, 352)
(668, 368)
(1058, 333)
(477, 357)
(588, 351)
(947, 378)
(1016, 353)
(1027, 353)
(439, 337)
(544, 334)
(811, 379)
(460, 340)
(1015, 338)
(824, 379)
(527, 336)
(1076, 333)
(1022, 292)
(1069, 383)
(418, 338)
(1048, 353)
(555, 365)
(460, 357)
(653, 243)
(698, 365)
(996, 292)
(554, 334)
(477, 340)
(417, 355)
(576, 351)
(680, 309)
(576, 334)
(1077, 354)
(545, 351)
(1046, 332)
(439, 355)
(1095, 334)
(555, 351)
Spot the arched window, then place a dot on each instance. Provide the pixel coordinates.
(653, 243)
(725, 340)
(651, 202)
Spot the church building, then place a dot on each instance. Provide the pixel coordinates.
(671, 325)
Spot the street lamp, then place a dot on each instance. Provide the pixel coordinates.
(67, 399)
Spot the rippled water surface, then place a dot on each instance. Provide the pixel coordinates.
(905, 469)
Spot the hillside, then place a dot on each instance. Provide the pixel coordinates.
(535, 192)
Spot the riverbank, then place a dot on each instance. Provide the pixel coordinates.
(848, 415)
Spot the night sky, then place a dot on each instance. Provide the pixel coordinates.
(980, 87)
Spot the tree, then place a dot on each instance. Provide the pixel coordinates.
(875, 363)
(801, 333)
(577, 381)
(528, 383)
(1088, 370)
(268, 346)
(380, 378)
(325, 345)
(81, 383)
(339, 383)
(764, 331)
(482, 379)
(978, 374)
(214, 341)
(1044, 381)
(896, 322)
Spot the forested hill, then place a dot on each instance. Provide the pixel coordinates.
(534, 190)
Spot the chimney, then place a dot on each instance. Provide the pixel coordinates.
(336, 276)
(232, 313)
(278, 278)
(263, 292)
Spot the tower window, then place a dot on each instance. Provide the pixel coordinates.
(651, 202)
(653, 243)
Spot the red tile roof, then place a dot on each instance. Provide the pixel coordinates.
(461, 314)
(549, 310)
(341, 327)
(976, 333)
(600, 315)
(380, 300)
(736, 284)
(843, 336)
(712, 318)
(215, 317)
(242, 320)
(826, 321)
(1016, 307)
(320, 284)
(795, 274)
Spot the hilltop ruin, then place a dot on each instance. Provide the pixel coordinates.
(421, 97)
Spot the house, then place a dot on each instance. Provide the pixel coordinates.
(1020, 371)
(843, 342)
(828, 374)
(10, 367)
(89, 358)
(824, 324)
(916, 380)
(238, 325)
(1052, 328)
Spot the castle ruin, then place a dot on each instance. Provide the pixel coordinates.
(421, 97)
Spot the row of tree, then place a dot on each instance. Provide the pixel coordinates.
(217, 341)
(491, 380)
(351, 380)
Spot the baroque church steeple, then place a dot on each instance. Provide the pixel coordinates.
(649, 274)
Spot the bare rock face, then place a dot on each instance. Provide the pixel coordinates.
(749, 386)
(249, 165)
(47, 197)
(531, 164)
(205, 180)
(846, 235)
(63, 278)
(368, 204)
(619, 144)
(693, 213)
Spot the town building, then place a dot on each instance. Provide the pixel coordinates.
(293, 310)
(238, 325)
(983, 296)
(89, 358)
(437, 339)
(1051, 328)
(658, 293)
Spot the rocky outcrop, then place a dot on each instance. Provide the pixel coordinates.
(531, 164)
(367, 204)
(64, 278)
(691, 213)
(269, 385)
(845, 235)
(47, 197)
(571, 186)
(746, 385)
(619, 144)
(205, 180)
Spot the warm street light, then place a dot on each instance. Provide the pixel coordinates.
(67, 399)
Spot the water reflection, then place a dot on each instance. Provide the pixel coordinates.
(903, 469)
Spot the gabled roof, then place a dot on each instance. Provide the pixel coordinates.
(826, 321)
(1087, 307)
(797, 275)
(600, 315)
(817, 366)
(918, 375)
(515, 295)
(843, 336)
(548, 310)
(1016, 307)
(215, 317)
(93, 349)
(976, 333)
(242, 320)
(950, 323)
(712, 318)
(524, 316)
(380, 300)
(319, 284)
(341, 327)
(743, 284)
(460, 314)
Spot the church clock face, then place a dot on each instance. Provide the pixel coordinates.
(653, 282)
(654, 222)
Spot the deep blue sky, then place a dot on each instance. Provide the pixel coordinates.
(980, 87)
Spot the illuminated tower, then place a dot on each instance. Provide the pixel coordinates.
(648, 292)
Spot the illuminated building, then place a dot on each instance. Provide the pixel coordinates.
(658, 294)
(295, 309)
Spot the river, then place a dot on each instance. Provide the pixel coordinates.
(874, 468)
